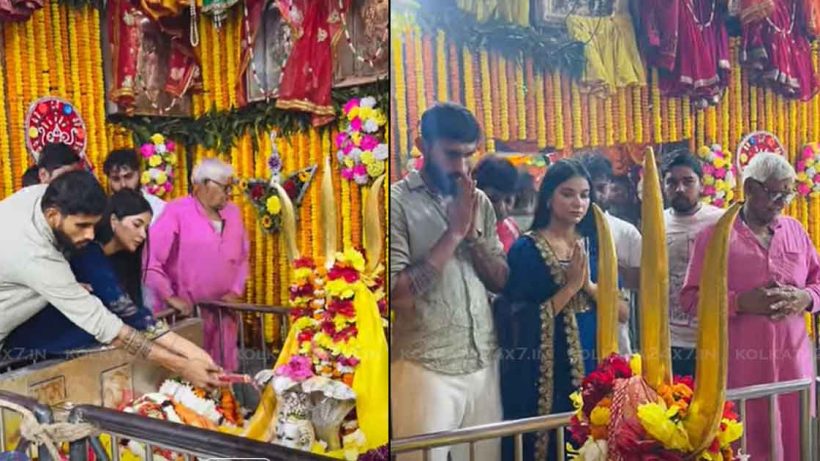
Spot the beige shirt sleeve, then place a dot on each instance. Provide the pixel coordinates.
(399, 240)
(51, 277)
(488, 222)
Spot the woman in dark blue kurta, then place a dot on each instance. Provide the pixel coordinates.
(115, 279)
(547, 348)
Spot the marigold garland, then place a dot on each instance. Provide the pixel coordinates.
(469, 87)
(455, 77)
(686, 108)
(43, 68)
(499, 116)
(521, 104)
(674, 134)
(441, 66)
(609, 129)
(544, 122)
(577, 117)
(425, 43)
(593, 122)
(486, 97)
(620, 115)
(569, 116)
(512, 98)
(532, 88)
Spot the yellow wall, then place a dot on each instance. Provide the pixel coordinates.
(56, 53)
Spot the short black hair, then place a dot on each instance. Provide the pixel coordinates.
(121, 158)
(685, 158)
(498, 173)
(31, 176)
(57, 155)
(75, 193)
(598, 165)
(450, 121)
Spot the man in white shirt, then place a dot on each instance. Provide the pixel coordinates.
(627, 241)
(685, 218)
(42, 224)
(122, 168)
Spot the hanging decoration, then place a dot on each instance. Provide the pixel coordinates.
(753, 144)
(808, 171)
(218, 10)
(687, 41)
(362, 152)
(160, 157)
(264, 195)
(54, 120)
(719, 176)
(18, 10)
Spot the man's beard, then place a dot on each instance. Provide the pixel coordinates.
(64, 243)
(682, 205)
(444, 183)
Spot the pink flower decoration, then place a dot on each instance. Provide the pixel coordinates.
(350, 105)
(147, 150)
(168, 186)
(708, 169)
(170, 146)
(369, 142)
(341, 138)
(347, 173)
(816, 179)
(718, 202)
(801, 165)
(803, 189)
(720, 173)
(360, 170)
(709, 190)
(807, 153)
(356, 124)
(347, 148)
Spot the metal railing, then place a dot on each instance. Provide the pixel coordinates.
(41, 413)
(262, 354)
(558, 422)
(184, 440)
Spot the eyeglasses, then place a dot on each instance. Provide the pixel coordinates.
(778, 196)
(227, 188)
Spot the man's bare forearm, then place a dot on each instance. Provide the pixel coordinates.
(490, 266)
(418, 278)
(139, 345)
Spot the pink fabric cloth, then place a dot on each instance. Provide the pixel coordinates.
(187, 258)
(762, 350)
(508, 232)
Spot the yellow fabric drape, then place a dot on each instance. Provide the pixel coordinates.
(370, 382)
(612, 57)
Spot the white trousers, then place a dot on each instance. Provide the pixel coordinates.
(423, 401)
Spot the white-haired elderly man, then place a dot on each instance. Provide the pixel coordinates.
(198, 252)
(774, 278)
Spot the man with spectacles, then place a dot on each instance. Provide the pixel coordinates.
(773, 280)
(199, 251)
(685, 218)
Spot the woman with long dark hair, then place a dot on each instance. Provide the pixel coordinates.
(545, 318)
(111, 267)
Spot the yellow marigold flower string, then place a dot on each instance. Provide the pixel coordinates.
(441, 66)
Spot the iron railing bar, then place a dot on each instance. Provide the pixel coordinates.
(247, 307)
(476, 433)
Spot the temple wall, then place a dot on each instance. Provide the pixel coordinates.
(55, 53)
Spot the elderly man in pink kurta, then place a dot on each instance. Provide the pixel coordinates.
(198, 251)
(774, 278)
